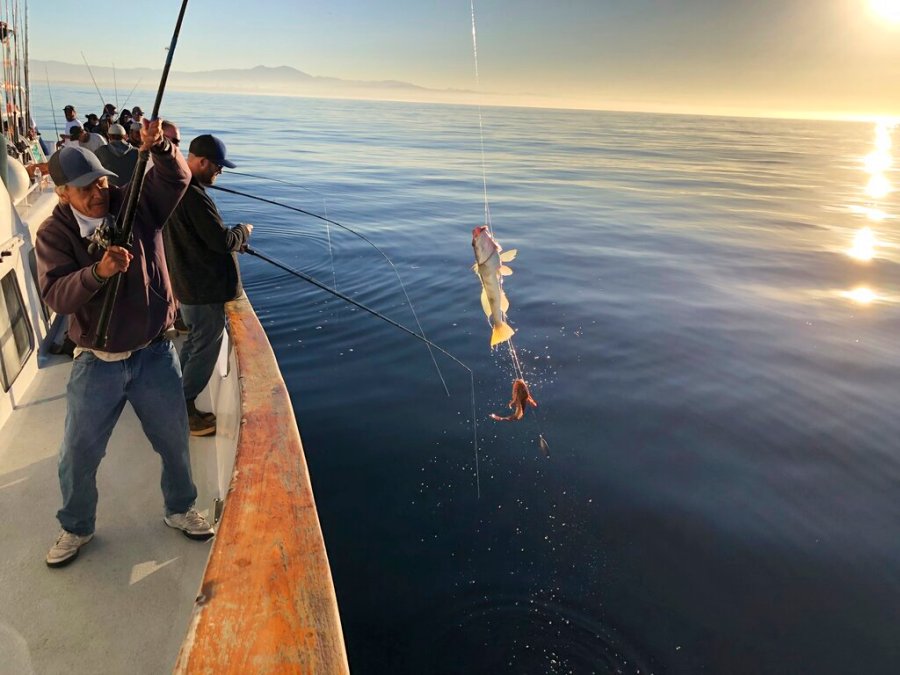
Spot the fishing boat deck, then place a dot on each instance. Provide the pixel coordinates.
(142, 598)
(124, 605)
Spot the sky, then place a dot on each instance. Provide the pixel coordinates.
(816, 58)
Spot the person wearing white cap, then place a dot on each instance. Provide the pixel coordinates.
(75, 263)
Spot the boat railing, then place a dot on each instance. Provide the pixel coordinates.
(267, 602)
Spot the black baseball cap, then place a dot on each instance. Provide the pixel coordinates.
(211, 148)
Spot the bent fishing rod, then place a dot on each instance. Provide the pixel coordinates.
(353, 232)
(299, 210)
(338, 294)
(271, 178)
(123, 233)
(355, 303)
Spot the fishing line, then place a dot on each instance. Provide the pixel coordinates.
(331, 252)
(487, 208)
(324, 210)
(319, 284)
(361, 236)
(513, 355)
(102, 102)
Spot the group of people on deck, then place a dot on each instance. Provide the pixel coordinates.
(180, 252)
(114, 137)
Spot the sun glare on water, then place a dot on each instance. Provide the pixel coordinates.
(862, 295)
(889, 10)
(863, 245)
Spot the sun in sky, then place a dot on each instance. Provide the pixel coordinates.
(886, 9)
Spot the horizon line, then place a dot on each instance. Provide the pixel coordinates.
(561, 104)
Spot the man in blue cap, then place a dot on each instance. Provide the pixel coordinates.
(202, 256)
(141, 367)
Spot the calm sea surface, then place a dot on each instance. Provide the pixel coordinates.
(710, 332)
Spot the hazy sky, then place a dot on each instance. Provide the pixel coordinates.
(754, 56)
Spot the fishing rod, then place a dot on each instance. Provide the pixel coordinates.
(10, 37)
(115, 86)
(50, 92)
(271, 178)
(123, 237)
(361, 236)
(347, 298)
(102, 102)
(29, 119)
(324, 207)
(338, 294)
(125, 102)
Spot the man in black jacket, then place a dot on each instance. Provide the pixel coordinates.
(202, 257)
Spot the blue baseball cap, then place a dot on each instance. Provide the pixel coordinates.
(77, 167)
(211, 148)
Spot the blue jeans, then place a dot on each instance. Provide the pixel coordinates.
(201, 348)
(150, 379)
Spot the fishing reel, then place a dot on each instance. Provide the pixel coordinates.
(105, 235)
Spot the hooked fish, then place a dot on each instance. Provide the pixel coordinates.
(489, 267)
(520, 396)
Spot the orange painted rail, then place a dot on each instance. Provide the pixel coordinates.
(267, 602)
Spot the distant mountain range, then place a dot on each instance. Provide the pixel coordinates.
(282, 80)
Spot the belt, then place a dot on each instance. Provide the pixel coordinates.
(118, 356)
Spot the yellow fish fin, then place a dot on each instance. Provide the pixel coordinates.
(505, 271)
(504, 302)
(501, 333)
(485, 305)
(509, 256)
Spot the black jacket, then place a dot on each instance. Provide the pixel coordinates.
(201, 252)
(120, 159)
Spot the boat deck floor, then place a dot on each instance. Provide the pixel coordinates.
(123, 606)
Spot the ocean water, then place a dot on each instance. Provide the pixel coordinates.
(706, 311)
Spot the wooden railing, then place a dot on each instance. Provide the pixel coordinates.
(267, 602)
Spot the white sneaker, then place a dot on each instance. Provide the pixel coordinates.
(65, 550)
(191, 523)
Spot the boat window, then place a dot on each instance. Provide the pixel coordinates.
(16, 335)
(32, 265)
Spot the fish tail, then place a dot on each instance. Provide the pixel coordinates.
(501, 333)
